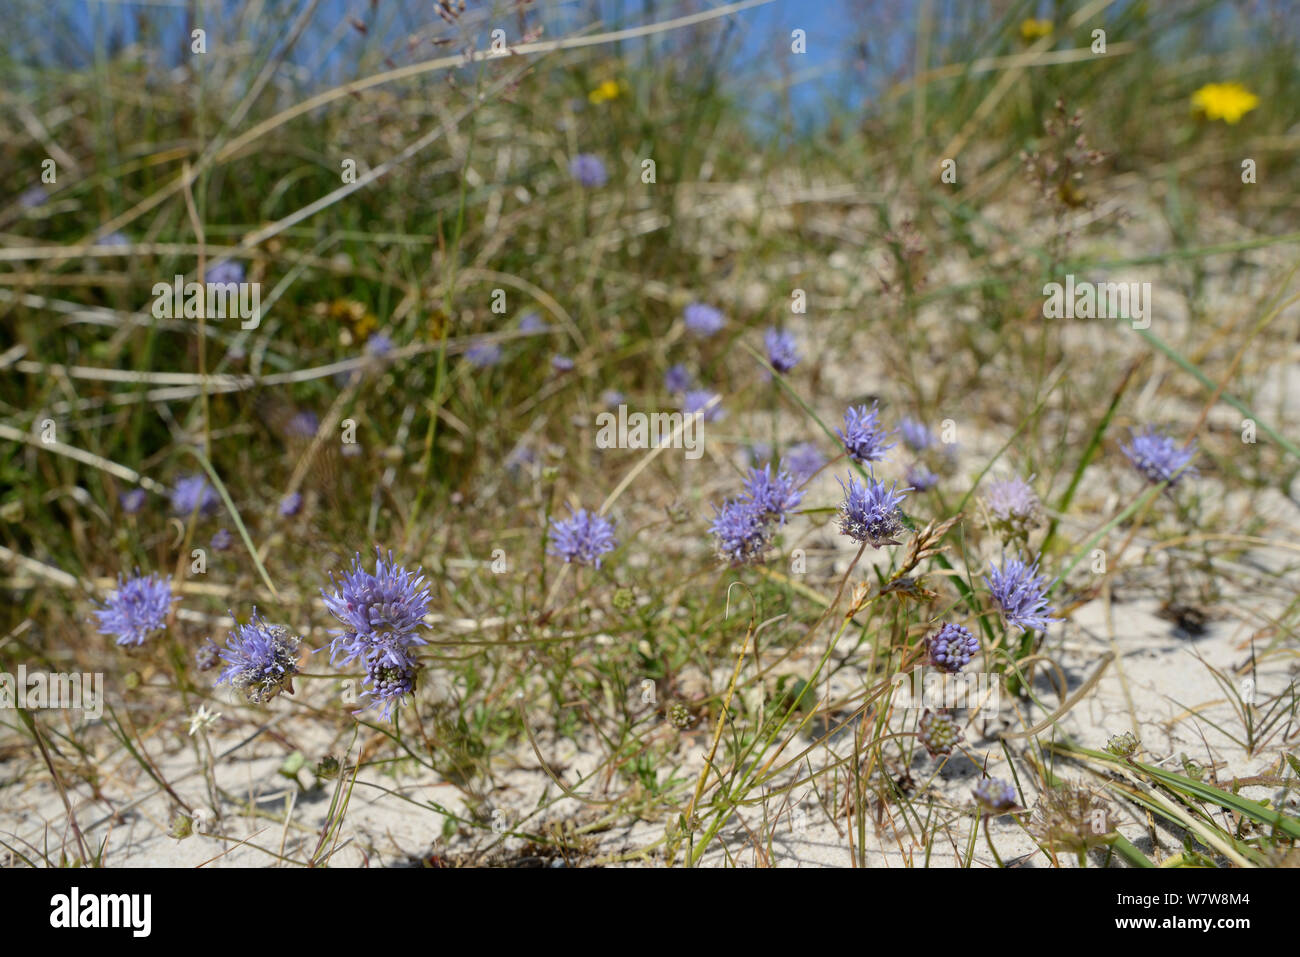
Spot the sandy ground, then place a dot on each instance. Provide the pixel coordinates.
(1158, 688)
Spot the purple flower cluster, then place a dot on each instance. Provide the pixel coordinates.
(952, 647)
(379, 345)
(1014, 507)
(136, 608)
(743, 527)
(193, 492)
(261, 660)
(862, 435)
(33, 196)
(677, 378)
(773, 494)
(921, 478)
(381, 613)
(303, 425)
(589, 170)
(703, 320)
(995, 795)
(483, 355)
(132, 501)
(916, 435)
(782, 350)
(392, 678)
(208, 656)
(804, 460)
(1159, 458)
(224, 272)
(583, 537)
(696, 400)
(869, 513)
(1021, 594)
(532, 322)
(742, 534)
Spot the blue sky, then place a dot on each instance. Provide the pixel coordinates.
(759, 39)
(855, 48)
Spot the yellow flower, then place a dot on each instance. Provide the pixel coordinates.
(1031, 30)
(1224, 101)
(609, 90)
(350, 311)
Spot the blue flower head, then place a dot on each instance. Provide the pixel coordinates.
(993, 794)
(191, 492)
(224, 272)
(207, 656)
(782, 350)
(303, 425)
(703, 320)
(677, 378)
(869, 513)
(33, 197)
(1159, 458)
(743, 527)
(862, 435)
(696, 400)
(742, 531)
(390, 679)
(916, 435)
(483, 355)
(588, 170)
(132, 501)
(532, 322)
(381, 612)
(561, 363)
(952, 647)
(803, 460)
(582, 538)
(921, 478)
(136, 608)
(379, 345)
(1014, 507)
(291, 504)
(1021, 594)
(261, 660)
(774, 495)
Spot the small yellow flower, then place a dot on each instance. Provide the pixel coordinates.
(1224, 101)
(1031, 30)
(609, 90)
(349, 311)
